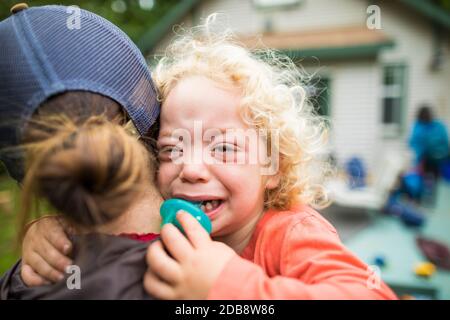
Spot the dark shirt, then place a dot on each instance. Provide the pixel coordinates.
(111, 267)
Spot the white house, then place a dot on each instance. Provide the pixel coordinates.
(375, 62)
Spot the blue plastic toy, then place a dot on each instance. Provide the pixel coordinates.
(356, 173)
(379, 261)
(169, 210)
(410, 215)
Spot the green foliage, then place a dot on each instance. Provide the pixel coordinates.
(135, 20)
(10, 196)
(8, 230)
(444, 4)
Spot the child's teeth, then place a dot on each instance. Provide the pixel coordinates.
(209, 205)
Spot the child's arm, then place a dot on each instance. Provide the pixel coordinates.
(313, 264)
(44, 252)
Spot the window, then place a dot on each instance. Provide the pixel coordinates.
(393, 98)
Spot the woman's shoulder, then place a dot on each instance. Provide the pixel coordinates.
(100, 261)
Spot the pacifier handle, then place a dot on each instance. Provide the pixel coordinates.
(170, 207)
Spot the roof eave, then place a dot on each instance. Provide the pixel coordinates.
(430, 10)
(152, 37)
(344, 52)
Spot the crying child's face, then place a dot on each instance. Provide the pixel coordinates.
(206, 155)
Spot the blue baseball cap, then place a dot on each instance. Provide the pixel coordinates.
(49, 50)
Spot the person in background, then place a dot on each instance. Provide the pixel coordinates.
(429, 142)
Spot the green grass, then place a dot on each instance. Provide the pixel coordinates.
(8, 230)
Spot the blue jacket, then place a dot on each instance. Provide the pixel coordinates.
(429, 140)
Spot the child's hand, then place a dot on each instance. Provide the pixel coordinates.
(44, 250)
(190, 266)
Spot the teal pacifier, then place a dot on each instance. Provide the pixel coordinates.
(169, 209)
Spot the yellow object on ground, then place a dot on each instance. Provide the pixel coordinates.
(425, 269)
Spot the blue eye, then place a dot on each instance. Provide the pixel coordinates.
(224, 148)
(225, 152)
(170, 153)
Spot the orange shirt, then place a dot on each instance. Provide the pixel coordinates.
(297, 254)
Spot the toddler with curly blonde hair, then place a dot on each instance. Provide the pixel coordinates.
(221, 105)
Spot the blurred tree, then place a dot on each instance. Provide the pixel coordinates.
(444, 4)
(133, 16)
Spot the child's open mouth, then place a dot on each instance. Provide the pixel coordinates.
(210, 206)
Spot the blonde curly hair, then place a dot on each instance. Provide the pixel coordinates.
(274, 99)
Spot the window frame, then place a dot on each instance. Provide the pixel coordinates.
(396, 90)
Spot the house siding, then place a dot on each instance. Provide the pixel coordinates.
(354, 110)
(245, 18)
